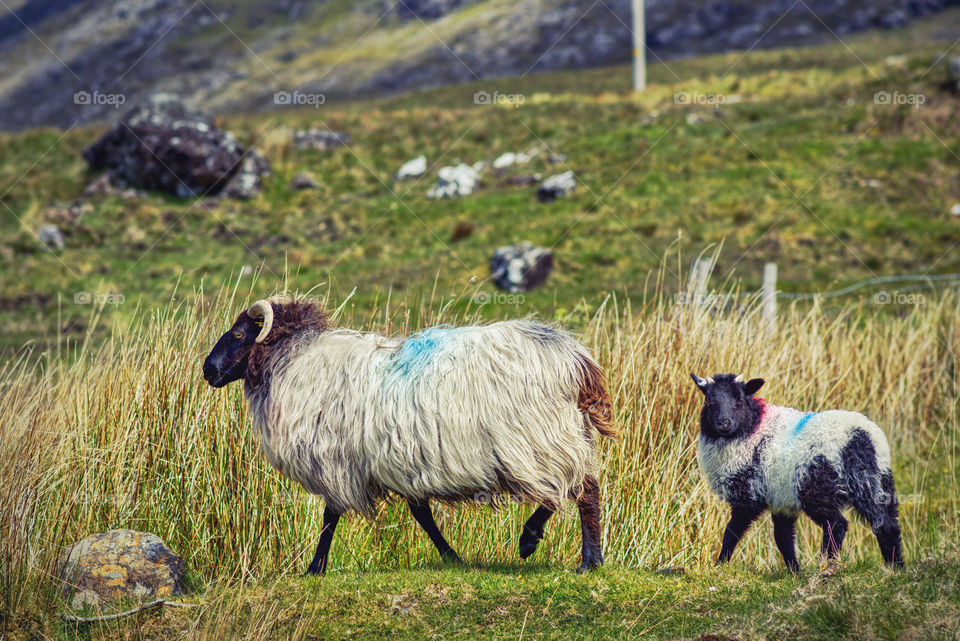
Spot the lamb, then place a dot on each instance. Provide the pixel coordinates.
(757, 456)
(449, 413)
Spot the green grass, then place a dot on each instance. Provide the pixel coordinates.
(875, 184)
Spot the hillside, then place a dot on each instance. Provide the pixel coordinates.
(233, 55)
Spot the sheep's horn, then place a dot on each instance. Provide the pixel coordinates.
(738, 379)
(710, 380)
(262, 309)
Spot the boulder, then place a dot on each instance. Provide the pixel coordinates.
(163, 145)
(302, 181)
(556, 186)
(412, 168)
(521, 267)
(319, 139)
(118, 564)
(50, 237)
(954, 66)
(453, 181)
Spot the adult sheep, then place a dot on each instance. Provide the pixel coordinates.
(759, 456)
(448, 414)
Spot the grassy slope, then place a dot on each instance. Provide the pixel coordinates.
(876, 184)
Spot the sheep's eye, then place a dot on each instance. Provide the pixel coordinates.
(238, 334)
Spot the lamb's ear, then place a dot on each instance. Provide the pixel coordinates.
(701, 382)
(753, 386)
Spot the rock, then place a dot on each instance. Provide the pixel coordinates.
(521, 267)
(303, 180)
(556, 159)
(453, 181)
(163, 145)
(412, 168)
(955, 210)
(505, 160)
(954, 67)
(101, 186)
(319, 139)
(50, 237)
(117, 564)
(556, 186)
(428, 9)
(247, 183)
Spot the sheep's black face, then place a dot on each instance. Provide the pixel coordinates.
(729, 409)
(227, 361)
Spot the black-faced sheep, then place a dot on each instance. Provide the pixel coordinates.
(448, 414)
(759, 456)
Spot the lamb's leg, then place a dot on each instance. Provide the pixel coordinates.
(533, 531)
(834, 528)
(784, 531)
(589, 504)
(821, 498)
(424, 516)
(741, 518)
(319, 563)
(880, 510)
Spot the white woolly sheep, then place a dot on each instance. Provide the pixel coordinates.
(759, 456)
(448, 414)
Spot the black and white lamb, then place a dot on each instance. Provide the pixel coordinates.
(759, 457)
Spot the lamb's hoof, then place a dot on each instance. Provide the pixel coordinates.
(312, 571)
(794, 567)
(528, 545)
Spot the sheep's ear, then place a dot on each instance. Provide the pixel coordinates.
(701, 382)
(753, 386)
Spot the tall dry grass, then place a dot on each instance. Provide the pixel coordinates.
(127, 434)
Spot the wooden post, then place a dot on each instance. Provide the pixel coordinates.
(639, 46)
(768, 296)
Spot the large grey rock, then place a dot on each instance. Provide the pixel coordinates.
(161, 144)
(520, 267)
(118, 564)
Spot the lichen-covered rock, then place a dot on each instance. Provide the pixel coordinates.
(117, 564)
(520, 267)
(412, 168)
(556, 187)
(319, 139)
(163, 145)
(453, 181)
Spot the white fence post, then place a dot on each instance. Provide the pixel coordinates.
(769, 293)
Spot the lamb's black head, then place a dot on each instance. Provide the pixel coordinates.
(729, 409)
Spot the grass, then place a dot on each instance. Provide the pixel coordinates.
(124, 433)
(804, 170)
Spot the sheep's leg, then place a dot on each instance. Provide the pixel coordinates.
(741, 518)
(589, 505)
(533, 531)
(424, 516)
(834, 528)
(784, 532)
(880, 510)
(319, 563)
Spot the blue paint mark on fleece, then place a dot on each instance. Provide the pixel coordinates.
(802, 422)
(417, 351)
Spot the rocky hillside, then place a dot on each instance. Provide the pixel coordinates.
(68, 61)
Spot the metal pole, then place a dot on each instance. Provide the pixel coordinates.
(639, 46)
(769, 295)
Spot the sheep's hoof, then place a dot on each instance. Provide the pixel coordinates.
(528, 545)
(587, 566)
(452, 557)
